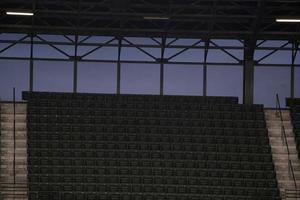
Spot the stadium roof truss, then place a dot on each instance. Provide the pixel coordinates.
(251, 23)
(237, 19)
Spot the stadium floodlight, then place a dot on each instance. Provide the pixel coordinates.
(19, 13)
(156, 18)
(288, 20)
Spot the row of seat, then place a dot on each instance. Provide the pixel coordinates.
(157, 188)
(171, 155)
(95, 119)
(296, 125)
(295, 116)
(161, 181)
(142, 196)
(161, 189)
(155, 142)
(70, 114)
(143, 141)
(295, 109)
(151, 147)
(191, 170)
(117, 131)
(125, 97)
(146, 166)
(155, 122)
(98, 106)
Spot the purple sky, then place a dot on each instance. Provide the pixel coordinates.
(144, 78)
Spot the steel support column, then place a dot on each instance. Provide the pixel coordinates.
(248, 85)
(75, 67)
(119, 66)
(205, 68)
(162, 66)
(162, 74)
(31, 63)
(294, 54)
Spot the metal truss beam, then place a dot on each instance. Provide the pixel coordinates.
(272, 52)
(222, 64)
(248, 64)
(13, 44)
(197, 19)
(110, 44)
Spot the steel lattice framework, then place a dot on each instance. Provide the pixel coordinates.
(251, 22)
(238, 19)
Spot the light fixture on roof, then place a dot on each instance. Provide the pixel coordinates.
(156, 17)
(288, 20)
(19, 13)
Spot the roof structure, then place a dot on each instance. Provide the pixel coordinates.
(238, 19)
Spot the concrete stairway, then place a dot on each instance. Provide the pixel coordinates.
(9, 190)
(279, 151)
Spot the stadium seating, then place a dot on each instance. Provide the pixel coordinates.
(0, 127)
(295, 115)
(147, 147)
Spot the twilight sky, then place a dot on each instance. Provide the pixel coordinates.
(144, 78)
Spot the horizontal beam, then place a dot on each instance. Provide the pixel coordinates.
(200, 46)
(148, 62)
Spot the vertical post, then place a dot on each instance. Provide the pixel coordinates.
(31, 50)
(14, 134)
(75, 69)
(162, 67)
(31, 64)
(248, 86)
(293, 72)
(162, 74)
(119, 66)
(205, 67)
(294, 54)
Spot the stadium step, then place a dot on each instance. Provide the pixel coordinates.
(273, 115)
(10, 117)
(13, 188)
(284, 151)
(7, 108)
(277, 132)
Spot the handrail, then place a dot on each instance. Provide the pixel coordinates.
(14, 133)
(278, 107)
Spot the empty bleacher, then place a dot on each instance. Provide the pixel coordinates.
(295, 115)
(113, 147)
(0, 136)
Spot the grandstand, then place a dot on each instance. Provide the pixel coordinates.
(149, 100)
(147, 147)
(296, 119)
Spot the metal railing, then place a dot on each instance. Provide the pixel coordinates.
(288, 193)
(284, 137)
